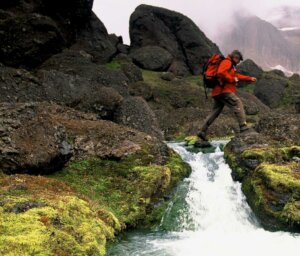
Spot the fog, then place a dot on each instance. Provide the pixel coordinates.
(212, 16)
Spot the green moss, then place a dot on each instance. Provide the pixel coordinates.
(179, 169)
(115, 64)
(271, 155)
(62, 225)
(238, 173)
(128, 188)
(191, 140)
(273, 193)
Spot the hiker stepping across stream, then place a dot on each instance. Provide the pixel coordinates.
(220, 74)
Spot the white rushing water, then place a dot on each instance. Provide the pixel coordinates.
(208, 216)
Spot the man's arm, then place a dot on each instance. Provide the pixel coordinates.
(241, 77)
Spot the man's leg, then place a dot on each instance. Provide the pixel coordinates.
(217, 109)
(235, 103)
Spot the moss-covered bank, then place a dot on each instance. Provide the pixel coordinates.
(75, 211)
(270, 179)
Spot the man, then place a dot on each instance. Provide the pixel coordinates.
(224, 93)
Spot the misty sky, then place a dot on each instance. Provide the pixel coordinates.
(115, 13)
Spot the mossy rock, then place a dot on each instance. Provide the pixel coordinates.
(41, 216)
(273, 192)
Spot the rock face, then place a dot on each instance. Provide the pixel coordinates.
(174, 32)
(267, 164)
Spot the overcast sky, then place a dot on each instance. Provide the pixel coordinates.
(115, 13)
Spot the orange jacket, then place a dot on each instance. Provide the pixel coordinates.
(227, 73)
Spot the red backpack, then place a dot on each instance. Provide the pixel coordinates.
(210, 71)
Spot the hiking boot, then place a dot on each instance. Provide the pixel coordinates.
(202, 144)
(202, 136)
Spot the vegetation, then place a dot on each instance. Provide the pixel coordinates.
(273, 187)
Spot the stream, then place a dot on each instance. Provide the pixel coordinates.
(208, 216)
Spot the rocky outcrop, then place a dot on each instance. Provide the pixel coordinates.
(267, 163)
(172, 31)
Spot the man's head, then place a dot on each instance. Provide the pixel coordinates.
(236, 57)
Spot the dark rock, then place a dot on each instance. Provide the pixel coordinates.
(141, 89)
(295, 78)
(168, 76)
(152, 57)
(78, 63)
(132, 72)
(136, 113)
(34, 142)
(95, 40)
(280, 127)
(270, 90)
(297, 104)
(176, 33)
(253, 106)
(178, 68)
(250, 68)
(34, 30)
(71, 90)
(277, 72)
(29, 40)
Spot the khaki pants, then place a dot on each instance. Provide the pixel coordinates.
(230, 100)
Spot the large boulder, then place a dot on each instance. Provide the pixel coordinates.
(249, 68)
(136, 113)
(29, 40)
(172, 31)
(94, 39)
(31, 141)
(32, 31)
(271, 89)
(152, 58)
